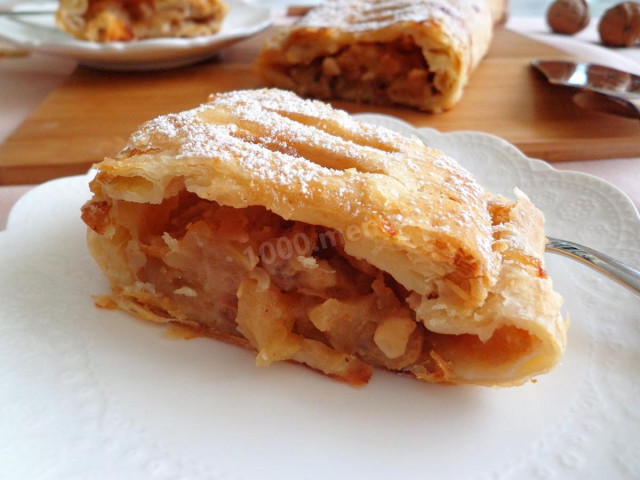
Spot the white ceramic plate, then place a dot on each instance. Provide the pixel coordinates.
(88, 393)
(40, 34)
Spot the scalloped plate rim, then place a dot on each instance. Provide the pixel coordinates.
(535, 164)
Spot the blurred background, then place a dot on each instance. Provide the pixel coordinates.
(518, 7)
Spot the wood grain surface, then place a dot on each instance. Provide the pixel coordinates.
(91, 115)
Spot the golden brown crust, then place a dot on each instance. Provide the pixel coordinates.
(442, 279)
(125, 20)
(418, 54)
(409, 209)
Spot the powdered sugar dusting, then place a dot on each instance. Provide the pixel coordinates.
(359, 16)
(278, 141)
(278, 109)
(200, 139)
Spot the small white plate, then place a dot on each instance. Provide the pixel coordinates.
(39, 33)
(90, 393)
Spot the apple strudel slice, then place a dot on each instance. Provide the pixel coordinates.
(290, 228)
(417, 53)
(124, 20)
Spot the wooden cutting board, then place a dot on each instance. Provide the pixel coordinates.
(92, 114)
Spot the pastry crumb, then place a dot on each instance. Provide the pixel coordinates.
(176, 331)
(104, 301)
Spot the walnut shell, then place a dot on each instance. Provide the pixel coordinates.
(568, 16)
(620, 25)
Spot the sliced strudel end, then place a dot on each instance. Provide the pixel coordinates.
(290, 228)
(124, 20)
(416, 53)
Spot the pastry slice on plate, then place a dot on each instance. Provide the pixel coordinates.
(417, 53)
(124, 20)
(290, 228)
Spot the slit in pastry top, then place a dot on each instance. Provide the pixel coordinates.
(342, 245)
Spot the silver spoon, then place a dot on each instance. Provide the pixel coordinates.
(622, 273)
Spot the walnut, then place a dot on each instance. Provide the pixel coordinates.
(568, 16)
(620, 25)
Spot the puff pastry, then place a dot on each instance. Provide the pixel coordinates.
(124, 20)
(288, 227)
(416, 53)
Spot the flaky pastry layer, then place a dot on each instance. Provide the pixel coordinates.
(291, 228)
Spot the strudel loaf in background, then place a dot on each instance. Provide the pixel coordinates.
(416, 53)
(125, 20)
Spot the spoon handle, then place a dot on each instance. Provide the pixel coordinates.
(622, 273)
(18, 13)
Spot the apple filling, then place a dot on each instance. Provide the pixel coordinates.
(394, 72)
(283, 288)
